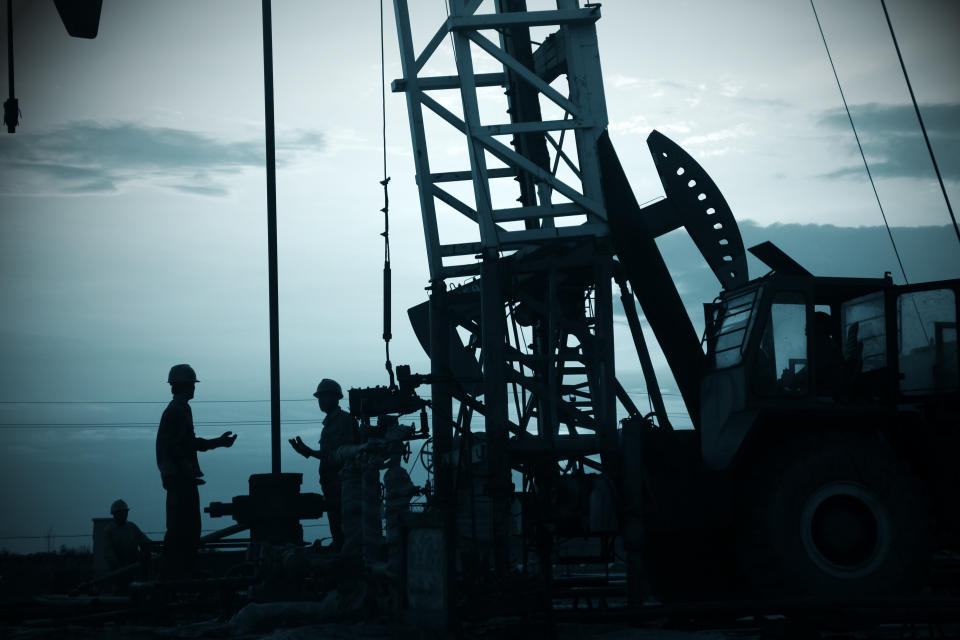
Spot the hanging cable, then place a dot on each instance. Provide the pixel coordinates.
(11, 108)
(923, 128)
(859, 146)
(387, 304)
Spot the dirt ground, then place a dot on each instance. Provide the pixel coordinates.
(499, 630)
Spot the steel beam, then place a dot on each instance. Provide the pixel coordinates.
(436, 83)
(421, 159)
(457, 176)
(511, 63)
(525, 19)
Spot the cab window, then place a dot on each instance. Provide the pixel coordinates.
(864, 332)
(927, 341)
(781, 367)
(734, 322)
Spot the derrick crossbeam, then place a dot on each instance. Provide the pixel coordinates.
(528, 345)
(561, 204)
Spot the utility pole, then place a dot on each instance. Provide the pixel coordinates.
(272, 238)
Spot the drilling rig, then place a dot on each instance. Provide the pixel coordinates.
(824, 409)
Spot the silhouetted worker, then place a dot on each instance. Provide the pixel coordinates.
(339, 428)
(124, 543)
(177, 447)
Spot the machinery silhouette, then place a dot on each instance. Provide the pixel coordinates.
(821, 461)
(824, 409)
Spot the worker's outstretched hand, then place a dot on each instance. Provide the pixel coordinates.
(300, 446)
(227, 439)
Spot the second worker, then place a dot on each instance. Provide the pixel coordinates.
(339, 428)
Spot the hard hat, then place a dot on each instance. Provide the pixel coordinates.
(182, 373)
(118, 505)
(328, 386)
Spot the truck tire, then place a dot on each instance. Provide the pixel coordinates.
(833, 516)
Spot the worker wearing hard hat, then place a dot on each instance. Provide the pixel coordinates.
(339, 428)
(124, 543)
(177, 447)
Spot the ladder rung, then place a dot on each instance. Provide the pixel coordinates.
(459, 249)
(540, 126)
(534, 235)
(460, 270)
(456, 176)
(524, 19)
(430, 83)
(525, 213)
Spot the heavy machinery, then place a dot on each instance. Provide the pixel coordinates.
(824, 410)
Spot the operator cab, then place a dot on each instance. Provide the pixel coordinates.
(807, 351)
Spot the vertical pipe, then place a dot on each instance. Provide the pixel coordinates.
(10, 46)
(440, 389)
(524, 105)
(493, 337)
(418, 137)
(440, 392)
(633, 525)
(271, 238)
(604, 368)
(643, 353)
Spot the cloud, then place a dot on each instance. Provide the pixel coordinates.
(92, 157)
(639, 125)
(730, 88)
(618, 80)
(825, 250)
(727, 90)
(201, 190)
(737, 131)
(893, 142)
(719, 151)
(657, 86)
(636, 125)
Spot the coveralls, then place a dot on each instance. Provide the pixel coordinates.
(123, 544)
(339, 429)
(177, 447)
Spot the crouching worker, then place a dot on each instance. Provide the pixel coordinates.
(124, 545)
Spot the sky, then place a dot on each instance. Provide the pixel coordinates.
(133, 208)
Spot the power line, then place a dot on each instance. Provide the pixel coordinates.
(55, 535)
(923, 128)
(159, 402)
(154, 424)
(2, 402)
(87, 535)
(141, 425)
(144, 401)
(866, 165)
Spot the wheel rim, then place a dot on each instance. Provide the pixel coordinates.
(846, 530)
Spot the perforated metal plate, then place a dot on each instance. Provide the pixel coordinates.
(705, 212)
